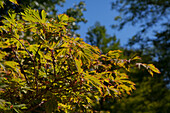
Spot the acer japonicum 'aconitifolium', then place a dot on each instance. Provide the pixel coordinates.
(50, 71)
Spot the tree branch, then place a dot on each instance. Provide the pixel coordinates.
(22, 70)
(52, 55)
(32, 61)
(38, 105)
(25, 49)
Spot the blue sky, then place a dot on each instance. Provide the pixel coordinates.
(100, 10)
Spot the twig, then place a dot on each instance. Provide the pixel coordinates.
(37, 52)
(38, 105)
(32, 61)
(25, 49)
(22, 70)
(52, 55)
(36, 76)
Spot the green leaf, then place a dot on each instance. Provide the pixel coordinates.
(118, 17)
(16, 110)
(19, 106)
(63, 17)
(71, 19)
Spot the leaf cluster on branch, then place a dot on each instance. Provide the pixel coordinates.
(51, 71)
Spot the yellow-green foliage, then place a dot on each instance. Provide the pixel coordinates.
(2, 2)
(43, 69)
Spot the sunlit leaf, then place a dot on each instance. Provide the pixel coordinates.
(78, 65)
(136, 58)
(43, 13)
(14, 1)
(2, 4)
(153, 68)
(63, 17)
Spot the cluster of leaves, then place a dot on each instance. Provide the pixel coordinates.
(50, 6)
(153, 39)
(2, 2)
(50, 71)
(152, 94)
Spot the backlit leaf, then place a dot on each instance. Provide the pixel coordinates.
(14, 1)
(43, 14)
(153, 68)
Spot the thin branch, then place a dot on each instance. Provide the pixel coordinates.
(22, 70)
(32, 61)
(36, 76)
(52, 55)
(37, 52)
(38, 105)
(25, 49)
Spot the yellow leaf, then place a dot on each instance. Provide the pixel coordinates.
(2, 4)
(78, 65)
(11, 63)
(115, 53)
(63, 17)
(150, 72)
(89, 100)
(14, 1)
(136, 58)
(153, 68)
(43, 13)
